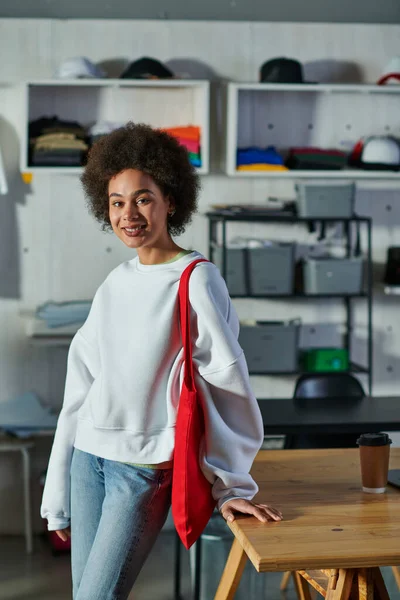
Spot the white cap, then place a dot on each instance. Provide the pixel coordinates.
(391, 73)
(78, 67)
(382, 150)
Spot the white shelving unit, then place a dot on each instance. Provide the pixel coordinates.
(323, 115)
(39, 334)
(159, 103)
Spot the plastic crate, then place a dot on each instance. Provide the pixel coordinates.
(334, 200)
(333, 275)
(271, 269)
(271, 346)
(319, 360)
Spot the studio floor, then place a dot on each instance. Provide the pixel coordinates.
(45, 577)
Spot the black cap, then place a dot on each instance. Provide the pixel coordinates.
(281, 70)
(146, 68)
(374, 439)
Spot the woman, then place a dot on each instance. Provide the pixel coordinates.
(110, 468)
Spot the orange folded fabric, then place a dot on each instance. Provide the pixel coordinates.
(261, 167)
(191, 132)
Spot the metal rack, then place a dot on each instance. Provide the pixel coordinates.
(220, 219)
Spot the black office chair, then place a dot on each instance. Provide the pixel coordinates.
(332, 385)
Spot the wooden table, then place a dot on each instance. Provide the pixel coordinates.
(333, 535)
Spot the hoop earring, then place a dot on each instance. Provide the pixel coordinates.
(172, 212)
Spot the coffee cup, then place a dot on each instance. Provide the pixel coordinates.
(374, 461)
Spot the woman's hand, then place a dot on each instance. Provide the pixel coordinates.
(64, 534)
(262, 512)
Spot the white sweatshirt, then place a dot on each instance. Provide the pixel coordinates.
(125, 368)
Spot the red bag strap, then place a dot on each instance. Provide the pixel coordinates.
(184, 312)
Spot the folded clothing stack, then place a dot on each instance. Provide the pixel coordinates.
(53, 143)
(259, 159)
(25, 414)
(188, 136)
(316, 158)
(57, 314)
(101, 128)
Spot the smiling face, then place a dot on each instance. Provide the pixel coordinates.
(138, 210)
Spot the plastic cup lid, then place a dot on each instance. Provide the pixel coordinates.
(374, 439)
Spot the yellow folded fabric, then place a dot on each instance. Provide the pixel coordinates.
(261, 167)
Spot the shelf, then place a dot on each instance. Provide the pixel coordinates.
(308, 115)
(158, 103)
(51, 340)
(290, 218)
(299, 296)
(358, 174)
(108, 82)
(78, 170)
(317, 87)
(354, 368)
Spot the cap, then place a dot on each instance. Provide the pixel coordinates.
(190, 68)
(391, 73)
(146, 68)
(381, 152)
(374, 439)
(281, 70)
(78, 67)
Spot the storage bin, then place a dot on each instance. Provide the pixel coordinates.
(271, 269)
(317, 360)
(333, 275)
(333, 200)
(235, 276)
(216, 544)
(271, 347)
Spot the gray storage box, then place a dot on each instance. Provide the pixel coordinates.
(271, 269)
(271, 346)
(235, 269)
(216, 544)
(317, 200)
(333, 275)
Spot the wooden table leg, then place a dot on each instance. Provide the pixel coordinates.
(343, 587)
(285, 580)
(396, 573)
(379, 584)
(302, 587)
(365, 584)
(232, 573)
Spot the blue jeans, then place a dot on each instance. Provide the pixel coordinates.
(117, 512)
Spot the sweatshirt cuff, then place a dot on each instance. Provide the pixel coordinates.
(56, 523)
(223, 501)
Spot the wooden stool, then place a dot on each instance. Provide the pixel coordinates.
(340, 584)
(15, 445)
(396, 573)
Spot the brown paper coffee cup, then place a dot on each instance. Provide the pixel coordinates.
(374, 461)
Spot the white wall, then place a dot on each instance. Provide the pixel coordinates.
(60, 250)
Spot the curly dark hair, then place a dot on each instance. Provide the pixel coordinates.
(152, 151)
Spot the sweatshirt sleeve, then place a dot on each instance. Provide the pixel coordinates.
(234, 427)
(82, 368)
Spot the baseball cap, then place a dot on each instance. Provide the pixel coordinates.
(282, 70)
(147, 68)
(376, 152)
(77, 68)
(391, 73)
(190, 68)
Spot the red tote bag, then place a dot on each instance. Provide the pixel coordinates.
(192, 501)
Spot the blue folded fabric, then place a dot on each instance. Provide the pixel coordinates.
(254, 155)
(25, 412)
(57, 314)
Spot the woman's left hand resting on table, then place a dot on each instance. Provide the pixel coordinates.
(263, 512)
